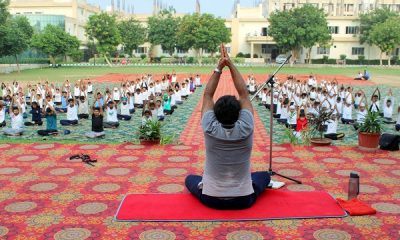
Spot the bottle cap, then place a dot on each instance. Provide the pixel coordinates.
(354, 175)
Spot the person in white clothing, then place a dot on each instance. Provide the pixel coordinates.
(2, 114)
(376, 97)
(124, 108)
(17, 120)
(116, 95)
(331, 129)
(197, 80)
(388, 108)
(112, 116)
(347, 113)
(72, 114)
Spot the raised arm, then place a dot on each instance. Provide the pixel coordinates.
(208, 101)
(239, 83)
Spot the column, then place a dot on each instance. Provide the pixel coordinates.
(252, 50)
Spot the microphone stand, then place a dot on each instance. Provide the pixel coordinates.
(271, 83)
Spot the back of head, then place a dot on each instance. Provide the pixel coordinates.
(227, 110)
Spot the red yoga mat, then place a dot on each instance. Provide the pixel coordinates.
(272, 204)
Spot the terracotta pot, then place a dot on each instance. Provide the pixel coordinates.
(149, 142)
(368, 141)
(320, 141)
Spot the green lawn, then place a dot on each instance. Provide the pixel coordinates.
(74, 73)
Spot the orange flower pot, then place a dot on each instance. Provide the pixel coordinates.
(368, 141)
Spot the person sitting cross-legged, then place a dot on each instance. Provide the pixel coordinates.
(72, 114)
(124, 108)
(17, 120)
(51, 121)
(112, 116)
(97, 121)
(228, 126)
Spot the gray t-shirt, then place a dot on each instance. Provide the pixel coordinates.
(227, 168)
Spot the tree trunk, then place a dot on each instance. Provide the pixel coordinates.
(293, 58)
(107, 60)
(380, 59)
(199, 56)
(52, 60)
(389, 57)
(17, 62)
(309, 55)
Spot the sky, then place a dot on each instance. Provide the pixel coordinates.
(221, 8)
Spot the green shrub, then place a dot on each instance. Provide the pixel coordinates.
(190, 60)
(11, 60)
(238, 60)
(143, 56)
(240, 55)
(247, 55)
(343, 57)
(169, 60)
(99, 60)
(325, 59)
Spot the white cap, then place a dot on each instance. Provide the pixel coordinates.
(292, 107)
(362, 104)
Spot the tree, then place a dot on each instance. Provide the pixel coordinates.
(369, 20)
(103, 29)
(202, 32)
(17, 34)
(315, 26)
(162, 30)
(4, 14)
(386, 36)
(299, 27)
(134, 34)
(55, 42)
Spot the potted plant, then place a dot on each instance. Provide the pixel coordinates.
(369, 132)
(317, 123)
(150, 133)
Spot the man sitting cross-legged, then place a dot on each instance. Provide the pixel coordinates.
(97, 121)
(228, 126)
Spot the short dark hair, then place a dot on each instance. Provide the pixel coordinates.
(227, 109)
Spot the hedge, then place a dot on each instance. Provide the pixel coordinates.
(11, 60)
(354, 61)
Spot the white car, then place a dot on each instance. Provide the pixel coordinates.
(281, 59)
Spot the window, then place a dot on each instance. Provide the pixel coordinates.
(328, 8)
(397, 7)
(264, 31)
(165, 51)
(267, 48)
(141, 50)
(352, 30)
(357, 51)
(333, 29)
(228, 49)
(288, 6)
(397, 52)
(349, 7)
(323, 51)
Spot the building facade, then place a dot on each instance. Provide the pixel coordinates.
(248, 25)
(71, 15)
(249, 28)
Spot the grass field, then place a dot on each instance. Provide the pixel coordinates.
(73, 73)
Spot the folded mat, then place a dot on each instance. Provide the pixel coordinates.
(355, 207)
(272, 204)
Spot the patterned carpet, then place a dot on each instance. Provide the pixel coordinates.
(44, 195)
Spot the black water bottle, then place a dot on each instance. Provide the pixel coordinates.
(354, 186)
